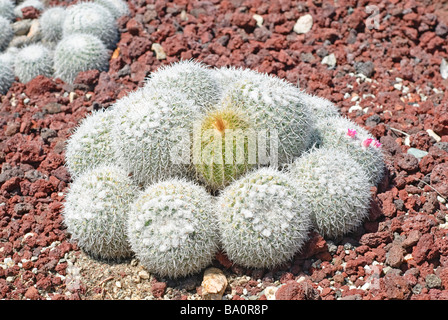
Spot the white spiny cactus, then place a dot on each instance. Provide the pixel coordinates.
(118, 8)
(51, 22)
(263, 220)
(79, 52)
(149, 133)
(96, 211)
(91, 18)
(33, 60)
(172, 228)
(342, 133)
(6, 33)
(6, 76)
(91, 143)
(335, 188)
(7, 9)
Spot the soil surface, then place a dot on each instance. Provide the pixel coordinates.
(378, 61)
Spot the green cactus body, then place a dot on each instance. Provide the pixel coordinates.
(191, 78)
(335, 188)
(333, 132)
(33, 60)
(150, 125)
(51, 22)
(79, 52)
(262, 219)
(117, 8)
(96, 211)
(91, 18)
(6, 33)
(224, 147)
(275, 106)
(7, 9)
(6, 76)
(91, 144)
(172, 228)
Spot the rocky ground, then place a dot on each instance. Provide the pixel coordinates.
(381, 62)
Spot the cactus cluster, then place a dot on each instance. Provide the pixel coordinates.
(70, 39)
(182, 210)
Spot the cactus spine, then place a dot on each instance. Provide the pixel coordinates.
(33, 60)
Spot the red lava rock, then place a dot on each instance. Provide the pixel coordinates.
(395, 287)
(439, 179)
(40, 85)
(293, 290)
(424, 249)
(87, 79)
(158, 289)
(30, 12)
(32, 294)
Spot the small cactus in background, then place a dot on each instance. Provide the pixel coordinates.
(79, 52)
(275, 106)
(6, 33)
(91, 143)
(51, 22)
(149, 125)
(172, 228)
(191, 78)
(91, 18)
(342, 133)
(224, 147)
(6, 76)
(336, 189)
(7, 9)
(263, 220)
(9, 55)
(96, 211)
(28, 3)
(117, 8)
(33, 60)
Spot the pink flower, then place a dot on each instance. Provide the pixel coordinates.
(367, 142)
(376, 144)
(351, 132)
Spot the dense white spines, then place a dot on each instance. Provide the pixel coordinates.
(118, 8)
(96, 211)
(33, 60)
(91, 144)
(172, 228)
(151, 128)
(6, 76)
(333, 132)
(51, 22)
(79, 52)
(189, 77)
(6, 33)
(7, 9)
(91, 18)
(274, 106)
(263, 220)
(335, 188)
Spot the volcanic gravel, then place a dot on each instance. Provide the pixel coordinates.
(382, 68)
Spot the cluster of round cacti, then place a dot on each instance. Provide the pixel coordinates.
(177, 211)
(75, 38)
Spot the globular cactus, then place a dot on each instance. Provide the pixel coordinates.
(51, 21)
(221, 147)
(118, 8)
(6, 33)
(28, 3)
(274, 106)
(263, 220)
(188, 77)
(9, 55)
(96, 210)
(150, 128)
(79, 52)
(91, 18)
(91, 143)
(33, 60)
(6, 76)
(172, 228)
(342, 133)
(7, 9)
(336, 189)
